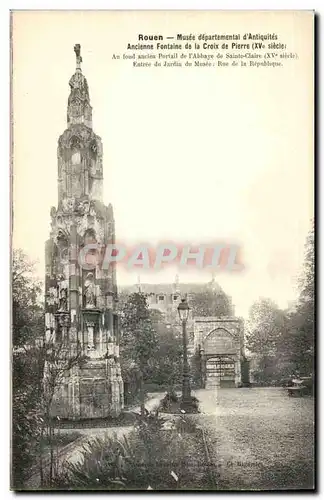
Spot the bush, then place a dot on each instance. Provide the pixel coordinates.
(145, 459)
(168, 402)
(193, 408)
(171, 403)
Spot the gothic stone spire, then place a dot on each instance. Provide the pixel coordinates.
(79, 108)
(80, 307)
(79, 148)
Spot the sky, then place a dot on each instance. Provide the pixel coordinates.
(192, 155)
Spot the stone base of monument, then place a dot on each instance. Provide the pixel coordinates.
(92, 391)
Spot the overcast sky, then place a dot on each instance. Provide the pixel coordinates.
(189, 154)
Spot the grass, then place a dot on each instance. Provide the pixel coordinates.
(260, 439)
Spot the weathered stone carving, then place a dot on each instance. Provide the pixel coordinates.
(76, 300)
(51, 296)
(89, 292)
(78, 137)
(68, 204)
(86, 207)
(92, 210)
(82, 225)
(63, 299)
(90, 326)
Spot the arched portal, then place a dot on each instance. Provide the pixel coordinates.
(220, 345)
(219, 341)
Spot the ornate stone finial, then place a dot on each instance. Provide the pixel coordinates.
(77, 50)
(79, 109)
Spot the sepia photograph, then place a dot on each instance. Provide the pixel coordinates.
(162, 250)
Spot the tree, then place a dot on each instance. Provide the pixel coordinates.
(210, 302)
(301, 336)
(26, 411)
(27, 366)
(284, 340)
(165, 369)
(306, 280)
(138, 339)
(306, 307)
(27, 310)
(265, 328)
(59, 359)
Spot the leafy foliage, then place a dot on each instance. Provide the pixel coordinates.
(166, 367)
(150, 348)
(265, 327)
(32, 396)
(26, 422)
(136, 325)
(27, 312)
(210, 302)
(300, 330)
(143, 460)
(284, 340)
(138, 341)
(27, 366)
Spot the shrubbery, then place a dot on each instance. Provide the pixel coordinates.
(150, 457)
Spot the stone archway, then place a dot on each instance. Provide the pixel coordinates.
(220, 352)
(220, 343)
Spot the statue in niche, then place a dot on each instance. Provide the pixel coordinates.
(89, 292)
(94, 150)
(86, 206)
(63, 299)
(92, 210)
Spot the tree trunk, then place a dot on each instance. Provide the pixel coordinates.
(41, 472)
(142, 394)
(51, 431)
